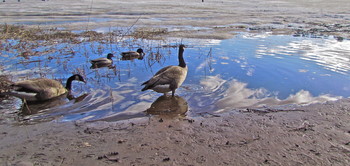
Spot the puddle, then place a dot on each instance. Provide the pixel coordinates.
(246, 71)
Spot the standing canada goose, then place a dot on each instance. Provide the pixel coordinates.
(41, 89)
(102, 62)
(130, 55)
(168, 78)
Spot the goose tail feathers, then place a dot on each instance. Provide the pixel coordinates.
(146, 86)
(21, 95)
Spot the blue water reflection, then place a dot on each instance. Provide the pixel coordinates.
(286, 65)
(247, 71)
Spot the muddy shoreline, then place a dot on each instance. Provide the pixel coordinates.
(310, 135)
(317, 134)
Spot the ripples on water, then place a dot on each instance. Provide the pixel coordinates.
(247, 71)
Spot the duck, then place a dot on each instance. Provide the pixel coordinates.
(102, 62)
(42, 89)
(130, 55)
(168, 78)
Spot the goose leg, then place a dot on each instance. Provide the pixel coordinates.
(173, 87)
(173, 93)
(26, 105)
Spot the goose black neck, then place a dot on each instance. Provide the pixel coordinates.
(69, 83)
(182, 62)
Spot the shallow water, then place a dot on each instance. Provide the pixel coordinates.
(249, 70)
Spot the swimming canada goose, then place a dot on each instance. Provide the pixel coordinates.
(102, 62)
(41, 89)
(130, 55)
(168, 78)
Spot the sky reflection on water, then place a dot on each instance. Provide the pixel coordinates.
(247, 71)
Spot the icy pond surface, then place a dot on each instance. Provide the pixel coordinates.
(248, 70)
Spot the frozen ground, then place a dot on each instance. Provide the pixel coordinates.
(185, 18)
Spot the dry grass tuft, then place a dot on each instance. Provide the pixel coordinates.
(149, 33)
(33, 34)
(5, 83)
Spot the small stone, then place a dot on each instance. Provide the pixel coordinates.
(114, 153)
(190, 120)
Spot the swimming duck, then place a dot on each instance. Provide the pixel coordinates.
(168, 78)
(130, 55)
(41, 89)
(102, 62)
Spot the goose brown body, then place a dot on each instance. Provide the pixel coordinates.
(41, 89)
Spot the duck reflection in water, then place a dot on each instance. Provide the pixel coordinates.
(169, 107)
(110, 66)
(31, 108)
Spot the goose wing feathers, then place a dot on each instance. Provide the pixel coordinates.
(163, 69)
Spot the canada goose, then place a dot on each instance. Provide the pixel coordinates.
(102, 62)
(130, 55)
(168, 78)
(41, 89)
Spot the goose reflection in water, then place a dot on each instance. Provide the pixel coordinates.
(167, 106)
(164, 106)
(31, 108)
